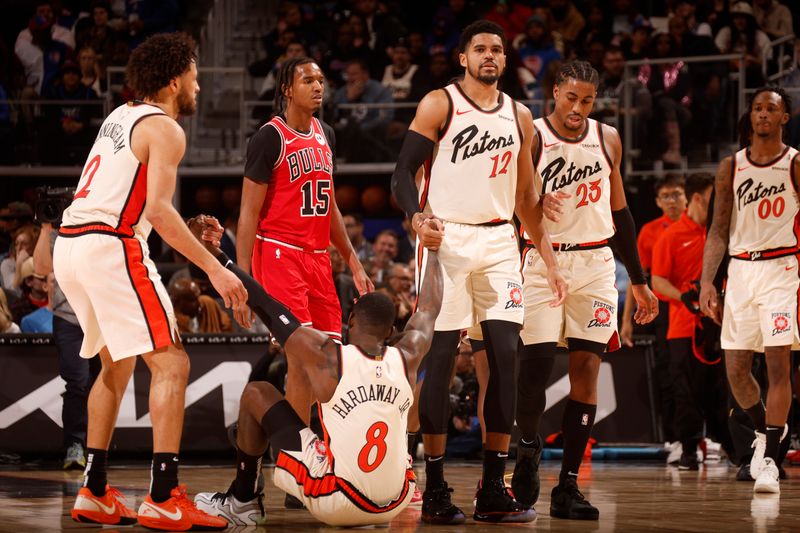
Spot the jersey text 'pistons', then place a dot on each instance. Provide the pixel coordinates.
(582, 168)
(471, 177)
(765, 204)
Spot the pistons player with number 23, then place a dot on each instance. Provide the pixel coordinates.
(289, 214)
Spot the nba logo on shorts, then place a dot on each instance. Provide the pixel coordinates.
(277, 254)
(585, 419)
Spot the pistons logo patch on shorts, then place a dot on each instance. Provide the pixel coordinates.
(322, 450)
(781, 323)
(602, 315)
(514, 295)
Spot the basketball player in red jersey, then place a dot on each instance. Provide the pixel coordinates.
(102, 265)
(289, 214)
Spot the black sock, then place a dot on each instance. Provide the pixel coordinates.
(758, 415)
(773, 442)
(434, 471)
(412, 443)
(247, 470)
(95, 478)
(164, 476)
(494, 466)
(576, 427)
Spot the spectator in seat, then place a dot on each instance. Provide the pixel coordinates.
(41, 56)
(539, 60)
(58, 32)
(12, 217)
(637, 46)
(436, 75)
(196, 312)
(361, 130)
(7, 325)
(742, 36)
(34, 292)
(399, 282)
(399, 77)
(384, 252)
(773, 17)
(92, 76)
(609, 107)
(670, 86)
(343, 282)
(355, 232)
(687, 10)
(69, 132)
(109, 44)
(567, 20)
(11, 267)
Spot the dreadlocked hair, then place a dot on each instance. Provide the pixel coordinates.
(284, 81)
(579, 71)
(746, 125)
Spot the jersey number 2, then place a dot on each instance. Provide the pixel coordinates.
(376, 438)
(316, 204)
(91, 168)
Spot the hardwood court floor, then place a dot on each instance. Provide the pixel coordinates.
(631, 497)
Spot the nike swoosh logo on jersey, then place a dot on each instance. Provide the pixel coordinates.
(788, 268)
(459, 112)
(551, 144)
(290, 142)
(607, 259)
(687, 243)
(743, 168)
(177, 515)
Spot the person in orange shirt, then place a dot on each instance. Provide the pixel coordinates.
(671, 200)
(698, 385)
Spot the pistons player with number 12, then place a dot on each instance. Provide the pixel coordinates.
(289, 214)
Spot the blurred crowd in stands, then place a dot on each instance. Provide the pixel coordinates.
(391, 52)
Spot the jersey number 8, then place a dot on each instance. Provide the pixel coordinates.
(376, 439)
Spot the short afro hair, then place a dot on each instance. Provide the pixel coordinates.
(157, 61)
(479, 26)
(375, 311)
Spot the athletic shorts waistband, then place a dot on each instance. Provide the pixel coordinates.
(92, 227)
(571, 246)
(290, 246)
(765, 255)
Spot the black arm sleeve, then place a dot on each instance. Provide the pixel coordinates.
(263, 152)
(624, 241)
(280, 321)
(416, 149)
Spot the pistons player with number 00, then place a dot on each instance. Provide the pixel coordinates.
(289, 214)
(755, 217)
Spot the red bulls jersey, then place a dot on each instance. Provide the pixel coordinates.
(297, 207)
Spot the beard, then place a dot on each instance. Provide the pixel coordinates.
(187, 105)
(487, 79)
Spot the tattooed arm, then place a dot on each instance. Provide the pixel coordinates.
(717, 240)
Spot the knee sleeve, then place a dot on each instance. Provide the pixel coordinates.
(502, 340)
(535, 366)
(434, 398)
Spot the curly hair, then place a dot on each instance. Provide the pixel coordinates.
(157, 61)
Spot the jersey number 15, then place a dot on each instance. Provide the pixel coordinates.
(316, 202)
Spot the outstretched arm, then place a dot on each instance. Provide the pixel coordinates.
(717, 240)
(415, 340)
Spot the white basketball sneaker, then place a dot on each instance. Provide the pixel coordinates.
(767, 480)
(225, 505)
(759, 447)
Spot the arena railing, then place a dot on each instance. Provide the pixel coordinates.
(631, 153)
(775, 51)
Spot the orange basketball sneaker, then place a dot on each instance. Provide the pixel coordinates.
(177, 514)
(107, 509)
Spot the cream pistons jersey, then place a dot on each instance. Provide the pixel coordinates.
(365, 422)
(113, 185)
(582, 168)
(765, 204)
(471, 178)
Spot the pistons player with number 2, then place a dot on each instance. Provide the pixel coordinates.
(755, 217)
(289, 214)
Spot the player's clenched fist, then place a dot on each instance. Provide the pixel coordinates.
(429, 229)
